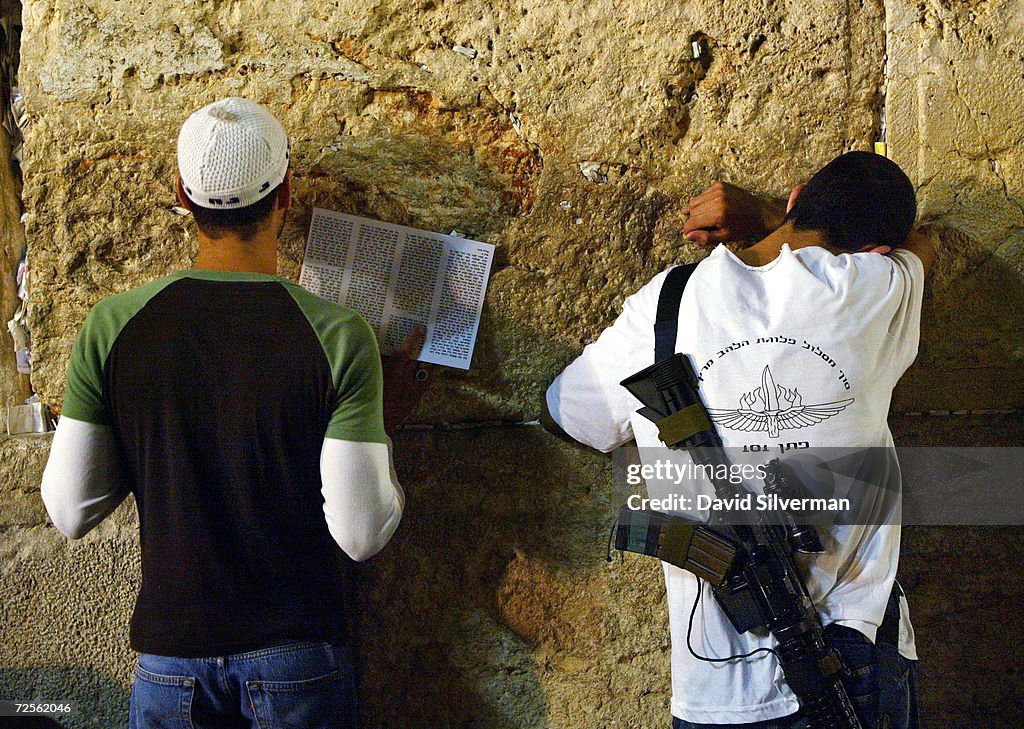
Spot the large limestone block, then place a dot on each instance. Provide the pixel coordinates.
(962, 584)
(955, 124)
(22, 461)
(389, 121)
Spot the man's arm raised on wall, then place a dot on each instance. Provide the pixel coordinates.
(920, 244)
(725, 212)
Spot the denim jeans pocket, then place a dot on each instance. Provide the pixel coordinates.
(325, 702)
(161, 701)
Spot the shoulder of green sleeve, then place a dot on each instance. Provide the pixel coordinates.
(338, 327)
(109, 316)
(103, 325)
(351, 349)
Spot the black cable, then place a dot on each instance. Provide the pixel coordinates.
(611, 536)
(689, 633)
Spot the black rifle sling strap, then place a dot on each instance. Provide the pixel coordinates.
(666, 322)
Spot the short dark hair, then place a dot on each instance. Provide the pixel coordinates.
(856, 199)
(244, 222)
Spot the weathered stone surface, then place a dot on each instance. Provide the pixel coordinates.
(22, 460)
(964, 586)
(14, 388)
(388, 121)
(495, 603)
(955, 73)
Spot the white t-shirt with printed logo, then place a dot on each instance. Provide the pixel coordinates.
(836, 331)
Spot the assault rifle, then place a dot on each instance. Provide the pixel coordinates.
(749, 562)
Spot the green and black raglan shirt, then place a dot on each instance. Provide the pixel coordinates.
(221, 387)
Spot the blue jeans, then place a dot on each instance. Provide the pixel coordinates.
(882, 686)
(297, 686)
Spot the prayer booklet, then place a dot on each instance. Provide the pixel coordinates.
(397, 277)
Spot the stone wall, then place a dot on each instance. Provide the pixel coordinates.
(955, 73)
(494, 606)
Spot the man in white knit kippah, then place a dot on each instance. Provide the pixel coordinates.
(231, 154)
(247, 418)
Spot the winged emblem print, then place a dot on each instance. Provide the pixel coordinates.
(774, 408)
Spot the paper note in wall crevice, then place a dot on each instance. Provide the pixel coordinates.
(397, 277)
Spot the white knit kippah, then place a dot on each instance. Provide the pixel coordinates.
(231, 153)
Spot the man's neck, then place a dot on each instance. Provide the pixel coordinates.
(231, 253)
(767, 249)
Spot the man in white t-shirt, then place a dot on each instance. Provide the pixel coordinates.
(825, 309)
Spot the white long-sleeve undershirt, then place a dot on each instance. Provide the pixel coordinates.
(82, 483)
(363, 501)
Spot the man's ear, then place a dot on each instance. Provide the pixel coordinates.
(793, 195)
(284, 192)
(182, 197)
